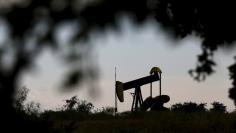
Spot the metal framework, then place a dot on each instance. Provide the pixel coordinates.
(137, 99)
(155, 75)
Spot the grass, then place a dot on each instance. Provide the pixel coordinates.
(147, 122)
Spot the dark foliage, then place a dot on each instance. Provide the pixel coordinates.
(218, 107)
(232, 91)
(71, 103)
(82, 106)
(189, 107)
(20, 98)
(212, 21)
(106, 110)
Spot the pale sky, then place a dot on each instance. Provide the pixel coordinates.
(134, 51)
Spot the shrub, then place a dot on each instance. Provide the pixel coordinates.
(108, 110)
(20, 97)
(218, 107)
(74, 104)
(32, 108)
(189, 107)
(84, 106)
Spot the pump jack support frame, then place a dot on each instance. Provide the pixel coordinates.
(137, 99)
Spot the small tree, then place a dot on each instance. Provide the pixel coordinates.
(32, 108)
(20, 98)
(71, 103)
(218, 107)
(74, 104)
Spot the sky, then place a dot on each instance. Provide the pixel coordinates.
(134, 51)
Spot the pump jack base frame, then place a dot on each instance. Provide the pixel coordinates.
(137, 99)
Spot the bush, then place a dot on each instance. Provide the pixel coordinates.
(189, 107)
(84, 106)
(218, 107)
(74, 104)
(71, 103)
(32, 108)
(20, 97)
(107, 110)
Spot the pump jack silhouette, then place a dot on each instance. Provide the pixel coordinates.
(155, 103)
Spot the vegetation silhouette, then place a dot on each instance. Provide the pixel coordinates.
(189, 107)
(232, 91)
(218, 107)
(37, 20)
(186, 117)
(74, 104)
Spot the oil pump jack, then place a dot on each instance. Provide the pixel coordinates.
(151, 103)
